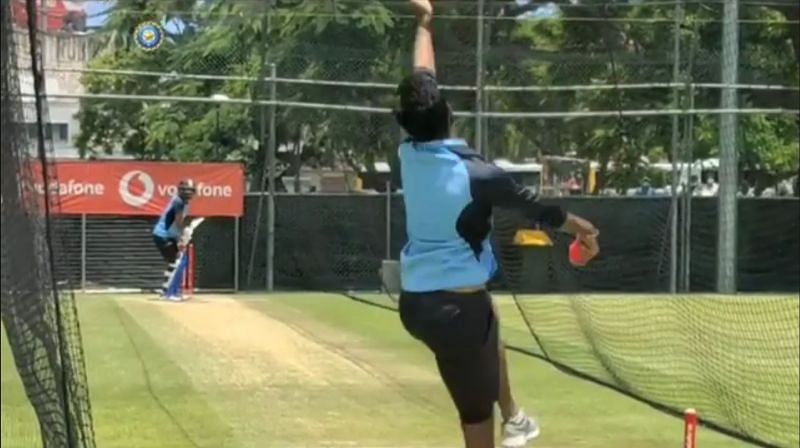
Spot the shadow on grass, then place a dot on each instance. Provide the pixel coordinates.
(125, 323)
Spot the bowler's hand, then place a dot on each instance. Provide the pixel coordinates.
(589, 244)
(423, 10)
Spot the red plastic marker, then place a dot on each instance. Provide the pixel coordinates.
(690, 429)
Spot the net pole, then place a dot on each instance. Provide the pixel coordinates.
(271, 148)
(237, 224)
(479, 81)
(689, 143)
(487, 104)
(259, 209)
(676, 71)
(726, 248)
(688, 157)
(192, 267)
(388, 236)
(37, 74)
(256, 101)
(262, 146)
(83, 252)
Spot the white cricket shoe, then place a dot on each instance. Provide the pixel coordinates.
(519, 430)
(171, 298)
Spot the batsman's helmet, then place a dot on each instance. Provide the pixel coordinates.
(186, 188)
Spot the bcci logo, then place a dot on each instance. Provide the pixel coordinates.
(149, 36)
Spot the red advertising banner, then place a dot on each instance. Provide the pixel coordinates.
(143, 188)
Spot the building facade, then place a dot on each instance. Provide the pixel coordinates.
(66, 48)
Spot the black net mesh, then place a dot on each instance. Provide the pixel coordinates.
(39, 317)
(734, 358)
(91, 259)
(332, 251)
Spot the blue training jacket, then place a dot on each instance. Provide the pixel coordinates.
(449, 191)
(166, 227)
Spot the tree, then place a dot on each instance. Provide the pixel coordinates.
(601, 43)
(228, 38)
(591, 43)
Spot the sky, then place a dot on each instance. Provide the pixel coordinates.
(96, 15)
(94, 11)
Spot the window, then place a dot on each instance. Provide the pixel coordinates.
(58, 132)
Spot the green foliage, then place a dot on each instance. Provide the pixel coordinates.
(369, 41)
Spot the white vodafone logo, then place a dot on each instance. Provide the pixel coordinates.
(140, 198)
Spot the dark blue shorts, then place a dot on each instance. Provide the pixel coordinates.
(167, 247)
(461, 330)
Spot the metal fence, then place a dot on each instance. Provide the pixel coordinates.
(280, 86)
(337, 242)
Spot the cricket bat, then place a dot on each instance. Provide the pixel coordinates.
(188, 231)
(175, 280)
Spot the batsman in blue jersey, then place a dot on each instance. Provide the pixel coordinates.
(449, 192)
(169, 228)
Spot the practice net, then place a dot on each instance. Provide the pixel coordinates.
(733, 358)
(39, 315)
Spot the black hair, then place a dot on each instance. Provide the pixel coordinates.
(424, 112)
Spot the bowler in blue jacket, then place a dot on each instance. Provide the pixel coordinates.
(449, 192)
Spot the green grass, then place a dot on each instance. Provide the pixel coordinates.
(140, 397)
(317, 370)
(18, 427)
(735, 359)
